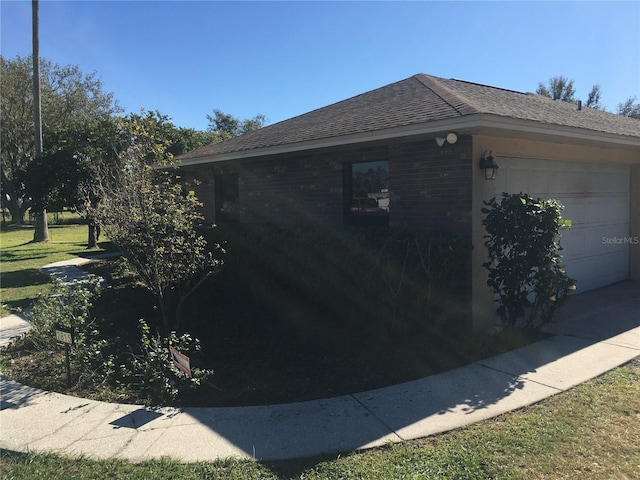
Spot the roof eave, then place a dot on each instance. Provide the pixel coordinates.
(477, 123)
(554, 132)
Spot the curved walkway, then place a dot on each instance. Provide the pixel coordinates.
(596, 332)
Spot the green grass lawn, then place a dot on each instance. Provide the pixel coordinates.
(21, 259)
(589, 432)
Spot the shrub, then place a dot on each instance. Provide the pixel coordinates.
(152, 372)
(145, 371)
(364, 279)
(69, 305)
(151, 219)
(524, 264)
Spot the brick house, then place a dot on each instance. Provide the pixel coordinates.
(408, 154)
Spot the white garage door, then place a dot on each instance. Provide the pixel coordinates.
(596, 199)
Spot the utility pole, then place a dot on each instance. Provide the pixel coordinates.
(41, 230)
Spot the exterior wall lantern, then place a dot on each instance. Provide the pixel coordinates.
(488, 165)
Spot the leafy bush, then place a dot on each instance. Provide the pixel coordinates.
(524, 265)
(363, 279)
(152, 371)
(145, 371)
(151, 219)
(69, 305)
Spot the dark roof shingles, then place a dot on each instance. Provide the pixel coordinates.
(415, 100)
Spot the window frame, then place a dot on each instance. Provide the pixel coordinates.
(358, 208)
(227, 191)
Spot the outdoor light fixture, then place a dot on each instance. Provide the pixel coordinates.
(450, 138)
(488, 165)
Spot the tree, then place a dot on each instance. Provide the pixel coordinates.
(78, 169)
(151, 217)
(630, 108)
(593, 100)
(67, 94)
(188, 139)
(83, 162)
(558, 88)
(227, 126)
(561, 88)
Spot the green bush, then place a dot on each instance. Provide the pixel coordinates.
(372, 280)
(69, 305)
(146, 370)
(150, 368)
(150, 218)
(524, 264)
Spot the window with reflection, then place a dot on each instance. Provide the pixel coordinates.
(227, 198)
(367, 193)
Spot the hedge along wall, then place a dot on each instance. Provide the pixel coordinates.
(373, 281)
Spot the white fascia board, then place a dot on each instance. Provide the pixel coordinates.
(530, 127)
(467, 124)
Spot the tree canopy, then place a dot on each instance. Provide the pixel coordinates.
(67, 95)
(227, 126)
(81, 164)
(630, 108)
(151, 216)
(562, 88)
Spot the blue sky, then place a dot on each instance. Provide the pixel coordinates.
(282, 59)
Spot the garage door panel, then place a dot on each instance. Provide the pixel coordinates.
(573, 243)
(518, 181)
(574, 209)
(597, 201)
(607, 182)
(538, 183)
(607, 210)
(612, 268)
(567, 182)
(581, 242)
(597, 243)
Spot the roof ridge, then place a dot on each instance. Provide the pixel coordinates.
(510, 90)
(461, 104)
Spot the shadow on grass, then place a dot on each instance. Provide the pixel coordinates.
(103, 248)
(24, 278)
(8, 257)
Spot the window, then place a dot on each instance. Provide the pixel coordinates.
(227, 198)
(367, 193)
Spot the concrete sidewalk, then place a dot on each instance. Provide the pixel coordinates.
(597, 331)
(16, 325)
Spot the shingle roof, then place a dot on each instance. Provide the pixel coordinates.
(418, 100)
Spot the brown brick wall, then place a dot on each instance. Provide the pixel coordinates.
(430, 186)
(289, 190)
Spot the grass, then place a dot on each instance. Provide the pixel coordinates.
(21, 259)
(590, 432)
